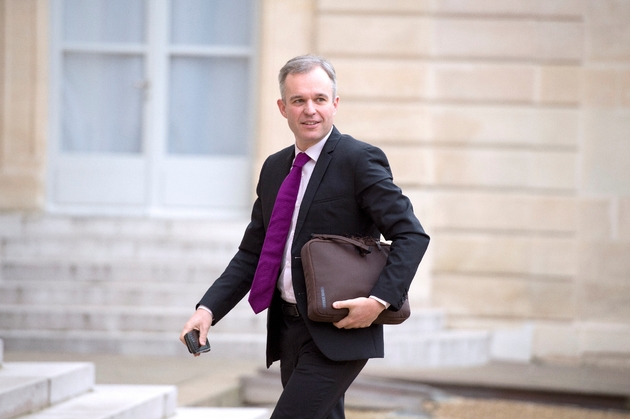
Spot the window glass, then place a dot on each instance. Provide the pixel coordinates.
(102, 103)
(208, 106)
(104, 21)
(211, 22)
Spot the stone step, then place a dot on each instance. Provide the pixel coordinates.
(88, 318)
(221, 413)
(115, 402)
(422, 320)
(224, 345)
(439, 349)
(104, 249)
(53, 270)
(30, 386)
(95, 293)
(427, 349)
(47, 225)
(62, 318)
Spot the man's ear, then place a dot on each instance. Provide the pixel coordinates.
(282, 107)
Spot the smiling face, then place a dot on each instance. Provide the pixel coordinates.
(309, 106)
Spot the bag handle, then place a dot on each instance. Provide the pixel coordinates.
(363, 248)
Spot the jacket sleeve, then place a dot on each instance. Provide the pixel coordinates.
(236, 280)
(393, 215)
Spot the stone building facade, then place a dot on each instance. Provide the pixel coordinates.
(507, 122)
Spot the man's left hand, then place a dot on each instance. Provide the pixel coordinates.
(363, 311)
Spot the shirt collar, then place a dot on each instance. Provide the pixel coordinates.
(316, 149)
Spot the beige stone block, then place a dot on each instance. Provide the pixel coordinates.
(505, 168)
(601, 88)
(624, 89)
(514, 255)
(547, 8)
(368, 78)
(556, 340)
(482, 82)
(560, 41)
(24, 89)
(604, 167)
(381, 122)
(553, 169)
(410, 166)
(21, 192)
(605, 337)
(604, 261)
(608, 30)
(504, 125)
(508, 39)
(556, 127)
(20, 76)
(390, 6)
(483, 38)
(423, 201)
(500, 297)
(623, 223)
(480, 296)
(407, 36)
(560, 85)
(604, 301)
(504, 212)
(595, 219)
(552, 300)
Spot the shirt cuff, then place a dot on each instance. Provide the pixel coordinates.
(205, 308)
(385, 303)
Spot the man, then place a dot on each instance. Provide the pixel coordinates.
(346, 188)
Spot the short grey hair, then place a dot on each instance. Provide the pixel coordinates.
(304, 64)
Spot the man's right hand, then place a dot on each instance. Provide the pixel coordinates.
(201, 320)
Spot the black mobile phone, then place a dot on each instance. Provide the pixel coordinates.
(192, 341)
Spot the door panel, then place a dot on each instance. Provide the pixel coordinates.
(100, 180)
(184, 177)
(207, 104)
(102, 103)
(151, 106)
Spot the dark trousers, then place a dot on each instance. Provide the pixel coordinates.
(314, 386)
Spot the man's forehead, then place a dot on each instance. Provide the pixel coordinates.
(304, 84)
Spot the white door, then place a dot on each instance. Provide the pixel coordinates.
(151, 106)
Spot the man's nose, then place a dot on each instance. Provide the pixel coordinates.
(309, 109)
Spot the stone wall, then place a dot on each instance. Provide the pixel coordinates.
(23, 103)
(507, 123)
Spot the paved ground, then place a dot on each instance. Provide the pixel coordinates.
(208, 381)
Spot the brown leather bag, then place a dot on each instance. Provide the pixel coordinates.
(340, 268)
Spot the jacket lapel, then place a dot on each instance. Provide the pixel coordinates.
(316, 178)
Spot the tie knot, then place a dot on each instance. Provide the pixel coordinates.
(301, 160)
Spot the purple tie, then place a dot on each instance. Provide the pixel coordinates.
(276, 237)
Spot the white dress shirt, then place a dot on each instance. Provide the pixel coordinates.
(285, 282)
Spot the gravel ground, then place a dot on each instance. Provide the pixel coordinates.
(494, 409)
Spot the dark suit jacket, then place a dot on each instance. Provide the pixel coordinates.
(350, 193)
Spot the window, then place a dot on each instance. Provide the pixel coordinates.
(150, 89)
